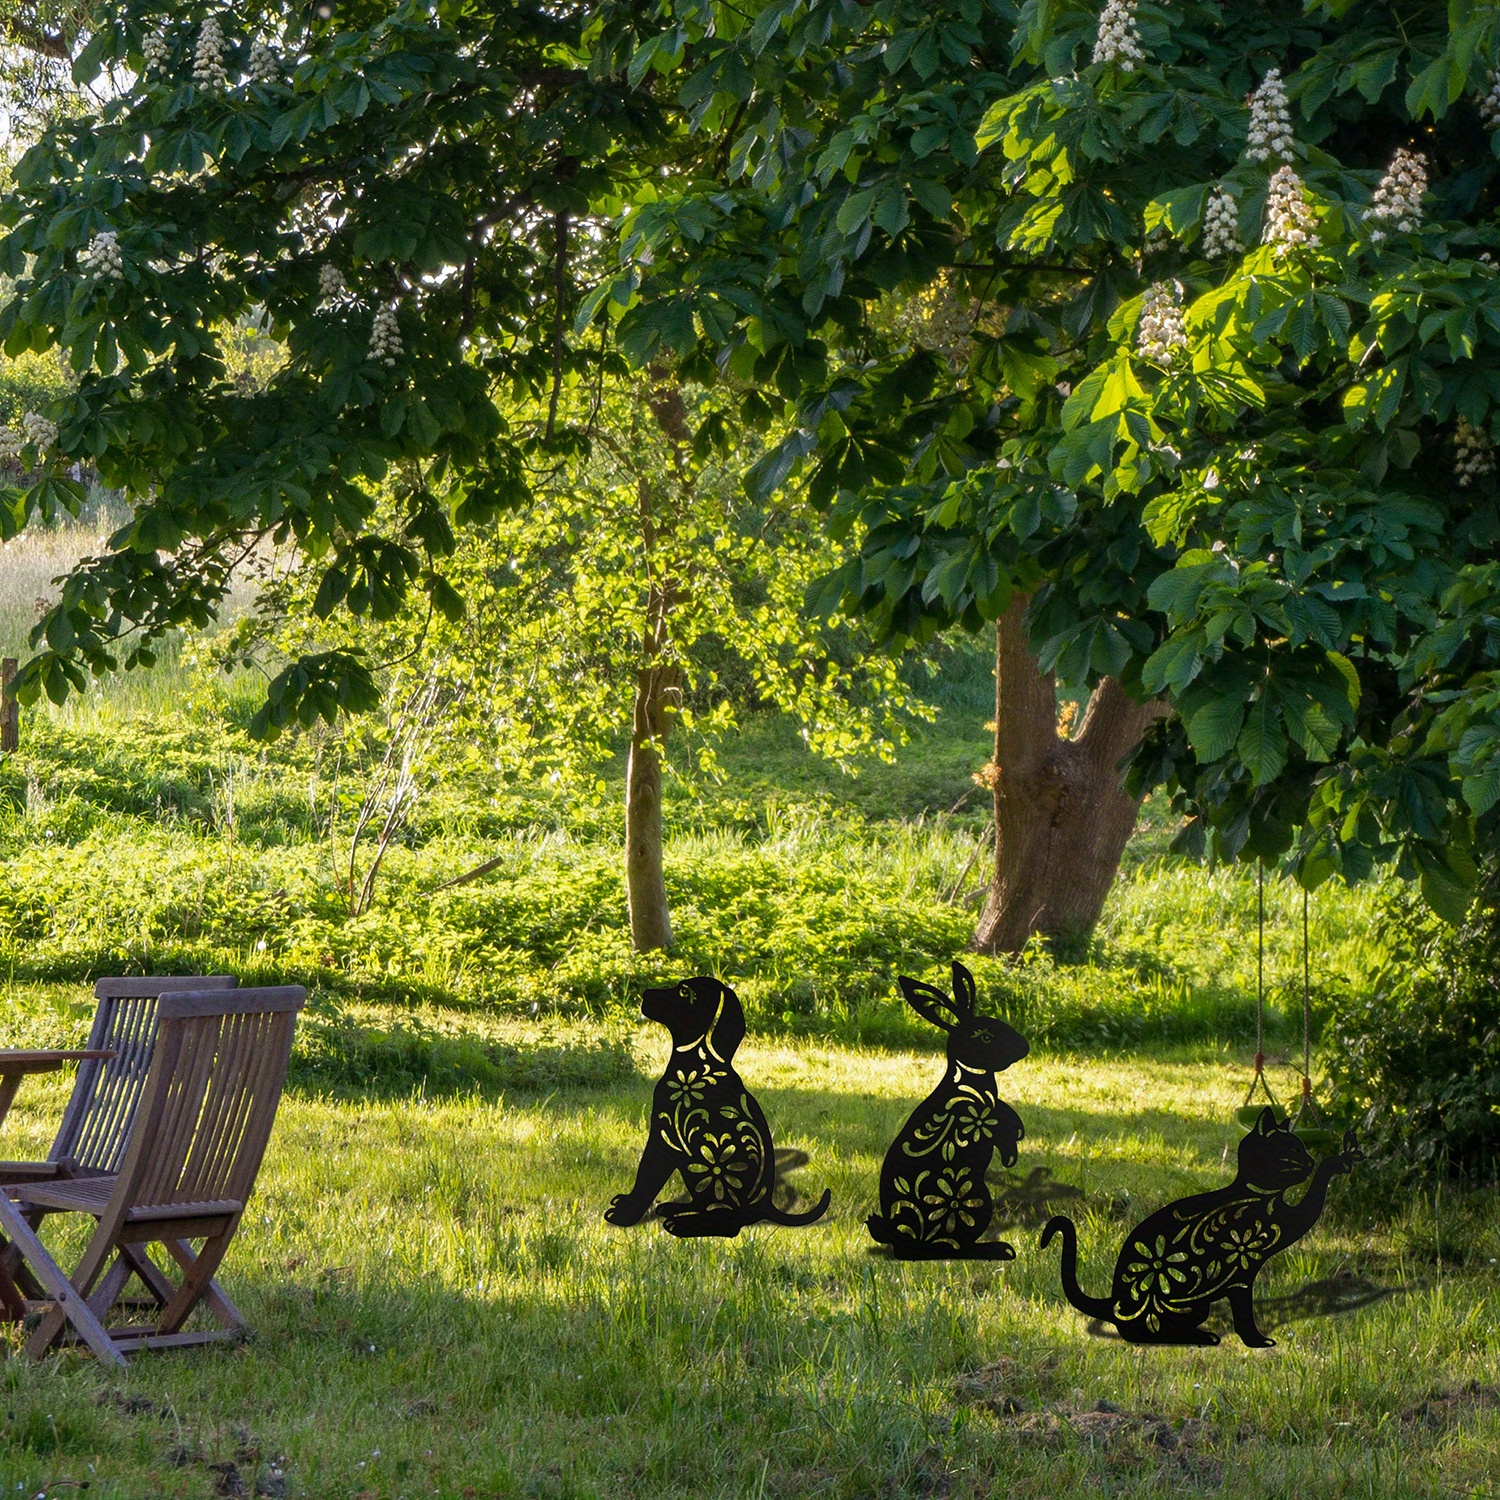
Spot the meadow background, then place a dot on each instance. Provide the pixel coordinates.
(439, 1309)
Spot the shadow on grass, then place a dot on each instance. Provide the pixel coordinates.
(335, 1056)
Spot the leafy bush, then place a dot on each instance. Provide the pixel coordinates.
(170, 842)
(1416, 1058)
(30, 382)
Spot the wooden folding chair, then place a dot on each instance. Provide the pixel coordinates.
(190, 1160)
(91, 1138)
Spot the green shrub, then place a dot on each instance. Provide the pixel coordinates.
(1416, 1058)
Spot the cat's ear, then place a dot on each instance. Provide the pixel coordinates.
(964, 996)
(1266, 1122)
(929, 1003)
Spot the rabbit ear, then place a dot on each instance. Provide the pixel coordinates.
(964, 996)
(932, 1005)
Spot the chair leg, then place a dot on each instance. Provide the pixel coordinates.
(197, 1277)
(72, 1307)
(216, 1298)
(110, 1285)
(13, 1262)
(150, 1273)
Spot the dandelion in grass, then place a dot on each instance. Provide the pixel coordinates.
(1473, 452)
(1119, 39)
(1221, 226)
(385, 338)
(1290, 224)
(1398, 199)
(1270, 136)
(1160, 335)
(208, 57)
(102, 259)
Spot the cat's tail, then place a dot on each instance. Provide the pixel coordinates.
(780, 1216)
(1095, 1307)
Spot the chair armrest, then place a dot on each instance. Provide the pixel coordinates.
(16, 1173)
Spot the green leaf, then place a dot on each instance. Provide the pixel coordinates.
(1213, 729)
(1262, 742)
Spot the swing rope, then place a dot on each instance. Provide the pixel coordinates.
(1259, 1080)
(1307, 1111)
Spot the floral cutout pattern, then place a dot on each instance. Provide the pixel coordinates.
(705, 1125)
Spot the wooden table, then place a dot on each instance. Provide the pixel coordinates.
(14, 1066)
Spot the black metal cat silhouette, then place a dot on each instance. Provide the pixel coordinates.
(1188, 1255)
(934, 1201)
(705, 1124)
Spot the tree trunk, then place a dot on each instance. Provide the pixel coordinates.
(1062, 815)
(657, 692)
(645, 885)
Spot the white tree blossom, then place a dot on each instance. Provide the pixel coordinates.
(1221, 226)
(1489, 106)
(1398, 199)
(385, 338)
(1270, 121)
(1474, 453)
(102, 258)
(154, 50)
(34, 429)
(1160, 334)
(265, 65)
(208, 57)
(331, 284)
(1290, 224)
(1119, 40)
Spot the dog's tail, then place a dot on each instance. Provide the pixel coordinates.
(780, 1216)
(1095, 1307)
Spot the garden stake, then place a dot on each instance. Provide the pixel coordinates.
(934, 1200)
(705, 1124)
(1183, 1258)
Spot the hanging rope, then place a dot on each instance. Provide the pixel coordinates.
(1309, 1122)
(1259, 1080)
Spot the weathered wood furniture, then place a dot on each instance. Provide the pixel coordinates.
(91, 1138)
(189, 1162)
(14, 1066)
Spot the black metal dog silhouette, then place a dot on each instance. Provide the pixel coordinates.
(705, 1124)
(1186, 1256)
(934, 1201)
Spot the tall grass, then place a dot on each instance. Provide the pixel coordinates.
(31, 564)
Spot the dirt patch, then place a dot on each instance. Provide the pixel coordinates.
(1125, 1440)
(1443, 1408)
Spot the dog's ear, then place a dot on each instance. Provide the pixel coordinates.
(932, 1005)
(728, 1028)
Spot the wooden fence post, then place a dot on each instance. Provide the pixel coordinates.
(10, 710)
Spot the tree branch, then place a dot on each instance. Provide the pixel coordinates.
(36, 39)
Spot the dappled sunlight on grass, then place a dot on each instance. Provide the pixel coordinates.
(440, 1309)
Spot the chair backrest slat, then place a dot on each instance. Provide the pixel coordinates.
(99, 1114)
(207, 1109)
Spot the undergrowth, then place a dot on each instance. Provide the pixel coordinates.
(174, 843)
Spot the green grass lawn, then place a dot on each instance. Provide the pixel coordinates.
(439, 1309)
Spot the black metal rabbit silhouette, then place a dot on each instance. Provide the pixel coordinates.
(1186, 1256)
(934, 1201)
(705, 1124)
